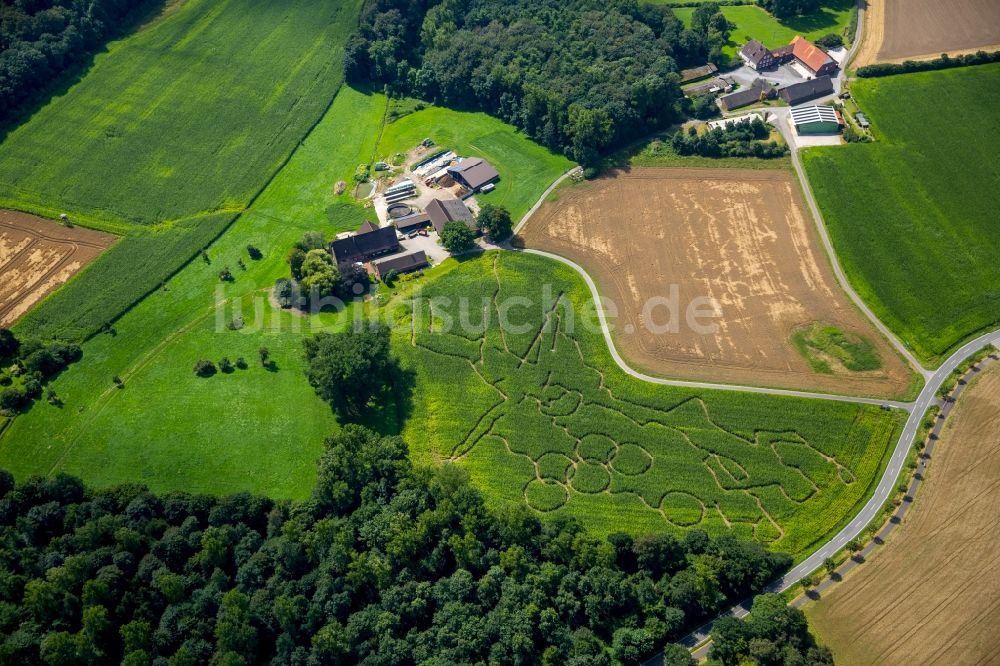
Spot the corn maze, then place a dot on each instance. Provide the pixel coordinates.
(539, 415)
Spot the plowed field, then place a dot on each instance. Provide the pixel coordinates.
(37, 256)
(932, 595)
(916, 28)
(729, 240)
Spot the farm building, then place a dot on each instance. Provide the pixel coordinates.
(812, 57)
(736, 120)
(799, 93)
(816, 120)
(473, 172)
(716, 85)
(404, 189)
(399, 263)
(412, 222)
(756, 56)
(758, 91)
(442, 212)
(695, 73)
(370, 241)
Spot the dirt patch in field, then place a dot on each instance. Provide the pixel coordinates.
(915, 29)
(739, 242)
(932, 594)
(37, 256)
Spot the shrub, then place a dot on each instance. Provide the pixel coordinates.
(254, 253)
(830, 41)
(13, 400)
(225, 365)
(204, 368)
(226, 275)
(241, 363)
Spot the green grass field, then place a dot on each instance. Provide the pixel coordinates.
(251, 430)
(167, 137)
(752, 22)
(542, 415)
(914, 216)
(525, 168)
(254, 429)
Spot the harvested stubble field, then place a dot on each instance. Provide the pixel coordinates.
(539, 414)
(737, 237)
(931, 595)
(37, 256)
(928, 28)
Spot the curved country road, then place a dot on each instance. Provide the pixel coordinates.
(933, 379)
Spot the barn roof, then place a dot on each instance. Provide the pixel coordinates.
(400, 262)
(364, 245)
(474, 172)
(814, 114)
(798, 93)
(809, 54)
(746, 96)
(442, 212)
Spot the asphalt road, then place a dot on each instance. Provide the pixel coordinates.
(697, 641)
(699, 637)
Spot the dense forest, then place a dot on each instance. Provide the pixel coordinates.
(40, 39)
(384, 564)
(577, 76)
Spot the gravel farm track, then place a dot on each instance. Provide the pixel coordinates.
(37, 256)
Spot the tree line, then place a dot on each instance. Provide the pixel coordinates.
(385, 563)
(41, 39)
(577, 76)
(742, 139)
(943, 62)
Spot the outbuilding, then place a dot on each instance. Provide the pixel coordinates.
(758, 91)
(443, 211)
(473, 173)
(370, 241)
(399, 263)
(412, 222)
(799, 93)
(816, 120)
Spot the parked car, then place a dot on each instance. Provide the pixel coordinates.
(488, 187)
(423, 232)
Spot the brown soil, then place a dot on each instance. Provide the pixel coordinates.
(37, 256)
(932, 594)
(928, 28)
(736, 236)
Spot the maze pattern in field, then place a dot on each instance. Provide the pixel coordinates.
(538, 419)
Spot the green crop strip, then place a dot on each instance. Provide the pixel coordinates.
(539, 416)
